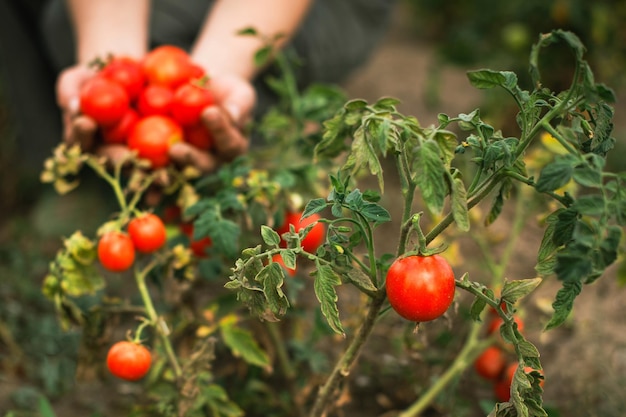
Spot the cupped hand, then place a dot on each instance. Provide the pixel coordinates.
(78, 128)
(235, 99)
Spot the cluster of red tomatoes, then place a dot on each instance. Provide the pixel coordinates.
(150, 104)
(494, 365)
(420, 288)
(116, 248)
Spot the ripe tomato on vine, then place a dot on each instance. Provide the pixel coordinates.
(420, 288)
(116, 251)
(129, 360)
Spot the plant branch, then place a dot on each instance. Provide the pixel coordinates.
(342, 368)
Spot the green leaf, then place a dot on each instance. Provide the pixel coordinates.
(587, 176)
(590, 205)
(243, 345)
(556, 174)
(387, 103)
(477, 308)
(498, 202)
(363, 154)
(564, 303)
(314, 206)
(272, 279)
(375, 213)
(262, 56)
(289, 258)
(460, 211)
(360, 279)
(487, 78)
(513, 291)
(527, 349)
(269, 235)
(325, 281)
(45, 408)
(216, 399)
(430, 175)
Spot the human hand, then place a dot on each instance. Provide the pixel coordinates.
(235, 99)
(77, 127)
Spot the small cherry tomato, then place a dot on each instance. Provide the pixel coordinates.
(147, 232)
(155, 100)
(502, 386)
(116, 251)
(199, 136)
(152, 137)
(128, 360)
(190, 99)
(420, 288)
(316, 236)
(127, 72)
(118, 133)
(103, 100)
(168, 65)
(490, 363)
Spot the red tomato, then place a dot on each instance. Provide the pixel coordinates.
(189, 101)
(169, 66)
(147, 232)
(490, 363)
(152, 137)
(103, 100)
(316, 235)
(155, 100)
(197, 72)
(279, 260)
(198, 247)
(127, 72)
(128, 360)
(199, 136)
(116, 251)
(118, 133)
(420, 288)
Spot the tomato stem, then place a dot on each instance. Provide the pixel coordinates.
(343, 365)
(155, 321)
(471, 349)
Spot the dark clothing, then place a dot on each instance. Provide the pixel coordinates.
(336, 37)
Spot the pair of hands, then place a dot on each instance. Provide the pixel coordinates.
(235, 98)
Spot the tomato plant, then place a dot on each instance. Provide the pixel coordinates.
(147, 232)
(420, 288)
(129, 360)
(189, 100)
(152, 137)
(116, 251)
(359, 270)
(103, 100)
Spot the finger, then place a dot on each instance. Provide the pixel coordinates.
(229, 140)
(114, 153)
(81, 130)
(185, 154)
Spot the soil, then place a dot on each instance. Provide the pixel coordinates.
(584, 360)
